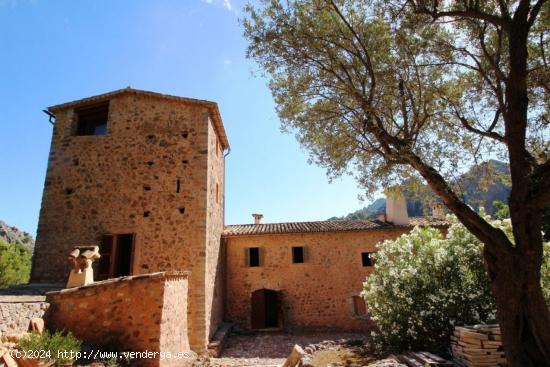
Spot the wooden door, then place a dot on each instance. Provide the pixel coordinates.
(257, 316)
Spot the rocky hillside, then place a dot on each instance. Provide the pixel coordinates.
(12, 234)
(482, 185)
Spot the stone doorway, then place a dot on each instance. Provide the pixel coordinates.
(265, 309)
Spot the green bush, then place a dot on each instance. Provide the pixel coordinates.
(56, 347)
(15, 264)
(424, 284)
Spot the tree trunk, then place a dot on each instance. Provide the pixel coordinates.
(522, 313)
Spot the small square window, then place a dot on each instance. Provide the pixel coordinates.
(92, 120)
(253, 257)
(297, 255)
(366, 258)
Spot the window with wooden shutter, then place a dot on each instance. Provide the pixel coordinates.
(116, 256)
(105, 261)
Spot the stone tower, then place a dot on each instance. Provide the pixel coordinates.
(141, 175)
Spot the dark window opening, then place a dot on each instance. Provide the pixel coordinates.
(366, 258)
(181, 210)
(116, 256)
(146, 214)
(254, 256)
(92, 120)
(178, 185)
(297, 255)
(69, 191)
(146, 188)
(150, 163)
(185, 161)
(184, 134)
(123, 258)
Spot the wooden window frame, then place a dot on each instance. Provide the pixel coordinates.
(356, 308)
(87, 119)
(113, 255)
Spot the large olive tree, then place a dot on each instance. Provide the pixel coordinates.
(398, 89)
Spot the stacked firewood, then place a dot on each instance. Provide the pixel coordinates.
(478, 346)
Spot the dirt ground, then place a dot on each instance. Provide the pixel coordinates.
(272, 348)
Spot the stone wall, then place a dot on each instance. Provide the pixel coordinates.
(16, 312)
(315, 295)
(138, 313)
(149, 175)
(215, 262)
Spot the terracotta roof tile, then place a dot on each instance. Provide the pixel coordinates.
(324, 226)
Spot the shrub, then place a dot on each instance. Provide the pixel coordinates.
(15, 264)
(424, 284)
(56, 347)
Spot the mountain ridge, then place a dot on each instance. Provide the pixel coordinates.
(12, 234)
(474, 195)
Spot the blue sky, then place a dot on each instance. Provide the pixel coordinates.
(55, 51)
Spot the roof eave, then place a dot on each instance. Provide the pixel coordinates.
(212, 106)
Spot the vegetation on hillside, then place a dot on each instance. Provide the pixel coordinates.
(15, 264)
(12, 234)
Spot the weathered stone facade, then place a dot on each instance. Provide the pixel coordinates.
(314, 295)
(138, 313)
(151, 180)
(154, 174)
(16, 313)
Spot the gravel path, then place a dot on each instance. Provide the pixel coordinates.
(269, 348)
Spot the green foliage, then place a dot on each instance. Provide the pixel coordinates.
(502, 210)
(425, 284)
(56, 347)
(15, 264)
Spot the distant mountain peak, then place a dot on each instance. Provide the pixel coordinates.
(12, 234)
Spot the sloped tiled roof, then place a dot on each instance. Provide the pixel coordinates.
(325, 226)
(212, 106)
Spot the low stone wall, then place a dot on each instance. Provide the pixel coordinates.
(143, 313)
(16, 312)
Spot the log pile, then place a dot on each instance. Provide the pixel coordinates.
(478, 346)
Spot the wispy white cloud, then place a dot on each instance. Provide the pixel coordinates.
(225, 3)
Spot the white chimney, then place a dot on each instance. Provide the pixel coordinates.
(438, 210)
(396, 206)
(257, 218)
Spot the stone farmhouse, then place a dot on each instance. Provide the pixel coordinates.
(142, 176)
